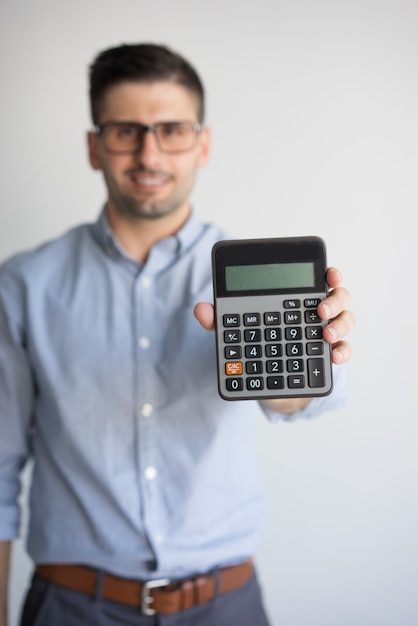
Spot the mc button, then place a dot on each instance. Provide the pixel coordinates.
(231, 319)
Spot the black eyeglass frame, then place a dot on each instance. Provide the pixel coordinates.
(152, 128)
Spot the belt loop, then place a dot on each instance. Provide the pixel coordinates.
(99, 585)
(216, 580)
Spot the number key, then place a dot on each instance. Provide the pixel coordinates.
(252, 336)
(294, 349)
(293, 333)
(274, 367)
(272, 334)
(254, 367)
(253, 352)
(274, 349)
(295, 365)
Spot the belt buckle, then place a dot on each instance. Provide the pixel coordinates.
(146, 597)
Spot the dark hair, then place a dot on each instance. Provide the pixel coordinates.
(141, 63)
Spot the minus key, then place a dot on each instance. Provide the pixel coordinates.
(314, 348)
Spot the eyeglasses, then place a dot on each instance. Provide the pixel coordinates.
(128, 137)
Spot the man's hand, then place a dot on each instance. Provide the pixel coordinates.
(333, 308)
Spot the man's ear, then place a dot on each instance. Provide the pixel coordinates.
(92, 144)
(205, 142)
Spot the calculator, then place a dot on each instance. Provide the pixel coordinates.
(268, 333)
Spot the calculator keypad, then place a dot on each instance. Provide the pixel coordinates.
(273, 351)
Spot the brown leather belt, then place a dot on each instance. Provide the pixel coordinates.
(154, 596)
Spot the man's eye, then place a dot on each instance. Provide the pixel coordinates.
(126, 131)
(172, 130)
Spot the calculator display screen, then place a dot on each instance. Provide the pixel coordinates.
(269, 276)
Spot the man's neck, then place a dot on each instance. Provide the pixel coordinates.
(138, 235)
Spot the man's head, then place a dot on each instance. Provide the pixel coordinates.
(142, 63)
(149, 141)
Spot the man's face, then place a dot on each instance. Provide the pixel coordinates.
(149, 184)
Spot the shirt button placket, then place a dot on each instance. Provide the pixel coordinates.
(145, 389)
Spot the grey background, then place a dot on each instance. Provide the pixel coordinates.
(313, 107)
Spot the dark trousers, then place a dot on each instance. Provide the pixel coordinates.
(50, 605)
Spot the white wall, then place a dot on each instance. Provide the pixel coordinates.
(314, 110)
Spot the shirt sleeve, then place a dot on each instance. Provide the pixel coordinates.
(16, 400)
(335, 400)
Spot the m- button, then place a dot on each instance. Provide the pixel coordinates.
(272, 318)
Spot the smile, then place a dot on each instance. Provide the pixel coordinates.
(149, 181)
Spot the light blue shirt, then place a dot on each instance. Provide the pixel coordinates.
(109, 383)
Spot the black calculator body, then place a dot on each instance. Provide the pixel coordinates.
(268, 333)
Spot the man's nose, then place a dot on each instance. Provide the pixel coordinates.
(148, 150)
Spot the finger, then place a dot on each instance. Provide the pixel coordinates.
(337, 301)
(334, 277)
(339, 327)
(341, 352)
(204, 313)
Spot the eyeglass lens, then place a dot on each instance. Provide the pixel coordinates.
(171, 136)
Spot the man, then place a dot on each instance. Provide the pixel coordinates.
(145, 500)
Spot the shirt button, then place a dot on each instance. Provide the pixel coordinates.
(144, 343)
(158, 538)
(147, 410)
(146, 282)
(150, 472)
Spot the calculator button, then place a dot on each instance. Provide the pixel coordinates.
(311, 303)
(291, 304)
(293, 333)
(316, 376)
(255, 383)
(232, 336)
(294, 349)
(252, 319)
(295, 382)
(314, 348)
(275, 382)
(295, 365)
(231, 319)
(234, 384)
(312, 317)
(273, 349)
(272, 334)
(254, 367)
(313, 332)
(233, 353)
(253, 352)
(251, 336)
(272, 318)
(233, 368)
(274, 367)
(293, 317)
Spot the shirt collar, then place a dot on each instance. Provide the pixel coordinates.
(176, 245)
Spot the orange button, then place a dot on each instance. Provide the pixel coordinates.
(233, 368)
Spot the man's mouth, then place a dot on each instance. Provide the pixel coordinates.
(149, 182)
